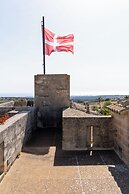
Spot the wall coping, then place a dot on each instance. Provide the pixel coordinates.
(12, 120)
(51, 74)
(72, 113)
(5, 104)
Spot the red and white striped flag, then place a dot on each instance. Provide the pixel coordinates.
(54, 43)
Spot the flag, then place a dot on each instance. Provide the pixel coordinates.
(54, 43)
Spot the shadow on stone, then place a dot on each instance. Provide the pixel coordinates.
(40, 142)
(118, 169)
(43, 139)
(120, 174)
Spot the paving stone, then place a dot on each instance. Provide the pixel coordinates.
(94, 159)
(57, 186)
(94, 172)
(59, 172)
(65, 161)
(101, 186)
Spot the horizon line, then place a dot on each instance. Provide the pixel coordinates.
(73, 94)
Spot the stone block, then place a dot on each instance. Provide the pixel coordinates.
(20, 102)
(52, 95)
(16, 132)
(1, 157)
(77, 131)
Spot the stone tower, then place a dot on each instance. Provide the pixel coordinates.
(52, 95)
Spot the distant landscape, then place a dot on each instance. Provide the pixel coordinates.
(16, 95)
(94, 98)
(96, 104)
(88, 98)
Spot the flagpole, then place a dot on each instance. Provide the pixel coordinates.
(43, 38)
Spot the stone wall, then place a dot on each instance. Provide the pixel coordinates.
(52, 94)
(10, 103)
(6, 106)
(31, 125)
(82, 131)
(16, 131)
(1, 158)
(121, 139)
(5, 109)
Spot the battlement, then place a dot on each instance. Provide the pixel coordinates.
(80, 129)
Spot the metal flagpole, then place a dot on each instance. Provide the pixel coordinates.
(43, 37)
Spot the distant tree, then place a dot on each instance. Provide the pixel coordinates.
(126, 97)
(105, 111)
(107, 99)
(99, 100)
(95, 108)
(107, 103)
(102, 110)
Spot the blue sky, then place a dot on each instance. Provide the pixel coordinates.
(101, 59)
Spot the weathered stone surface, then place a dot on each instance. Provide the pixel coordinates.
(77, 131)
(14, 133)
(61, 172)
(20, 102)
(7, 104)
(52, 94)
(5, 109)
(121, 138)
(1, 157)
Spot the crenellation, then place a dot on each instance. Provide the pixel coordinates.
(81, 128)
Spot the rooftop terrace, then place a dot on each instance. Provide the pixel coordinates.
(44, 168)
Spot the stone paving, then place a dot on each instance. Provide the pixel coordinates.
(43, 168)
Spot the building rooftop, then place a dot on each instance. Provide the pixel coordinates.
(71, 112)
(117, 108)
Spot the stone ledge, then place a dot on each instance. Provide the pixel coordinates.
(71, 113)
(14, 133)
